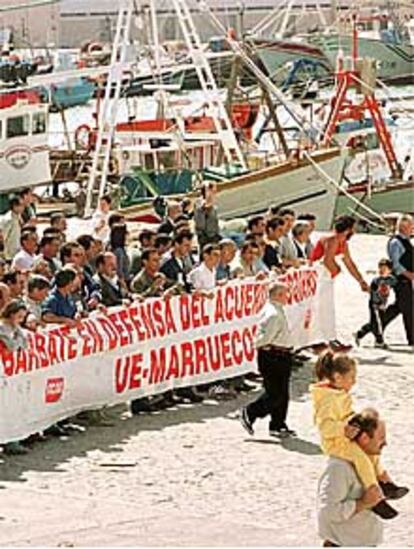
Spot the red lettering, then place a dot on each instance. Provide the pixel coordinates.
(7, 359)
(136, 368)
(187, 362)
(146, 317)
(185, 319)
(229, 302)
(214, 353)
(248, 343)
(157, 365)
(136, 322)
(123, 336)
(109, 331)
(225, 350)
(121, 373)
(236, 352)
(173, 366)
(201, 363)
(219, 309)
(169, 318)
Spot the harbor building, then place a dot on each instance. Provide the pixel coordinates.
(32, 23)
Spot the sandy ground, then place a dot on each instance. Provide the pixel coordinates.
(190, 476)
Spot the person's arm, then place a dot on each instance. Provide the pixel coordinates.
(155, 288)
(51, 318)
(200, 219)
(353, 270)
(325, 420)
(329, 258)
(94, 293)
(396, 251)
(50, 314)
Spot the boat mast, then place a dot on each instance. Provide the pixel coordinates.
(109, 109)
(221, 119)
(359, 77)
(285, 21)
(160, 94)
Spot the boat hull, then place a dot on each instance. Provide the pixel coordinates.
(276, 54)
(398, 197)
(301, 188)
(396, 61)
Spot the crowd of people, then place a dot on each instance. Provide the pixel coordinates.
(46, 279)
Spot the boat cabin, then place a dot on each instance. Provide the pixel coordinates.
(161, 165)
(24, 150)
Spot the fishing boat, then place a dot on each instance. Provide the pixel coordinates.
(279, 56)
(379, 38)
(353, 118)
(24, 149)
(172, 154)
(382, 36)
(169, 168)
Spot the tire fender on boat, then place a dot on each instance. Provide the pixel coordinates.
(84, 137)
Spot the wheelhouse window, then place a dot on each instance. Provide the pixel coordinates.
(18, 126)
(39, 123)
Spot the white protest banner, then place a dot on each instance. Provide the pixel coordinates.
(148, 348)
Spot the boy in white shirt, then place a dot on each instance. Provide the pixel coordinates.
(100, 219)
(203, 277)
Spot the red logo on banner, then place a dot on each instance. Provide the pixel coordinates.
(308, 319)
(54, 389)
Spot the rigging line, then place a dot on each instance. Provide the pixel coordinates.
(28, 5)
(356, 213)
(332, 181)
(299, 116)
(408, 108)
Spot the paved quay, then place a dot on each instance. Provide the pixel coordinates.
(191, 476)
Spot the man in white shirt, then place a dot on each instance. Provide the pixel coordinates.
(287, 250)
(203, 277)
(24, 259)
(11, 228)
(300, 235)
(244, 265)
(100, 219)
(38, 288)
(274, 355)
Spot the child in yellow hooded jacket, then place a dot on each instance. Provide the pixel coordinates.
(333, 411)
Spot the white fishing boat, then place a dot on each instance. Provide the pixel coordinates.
(24, 150)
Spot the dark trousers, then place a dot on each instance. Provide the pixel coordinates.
(375, 324)
(274, 400)
(404, 305)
